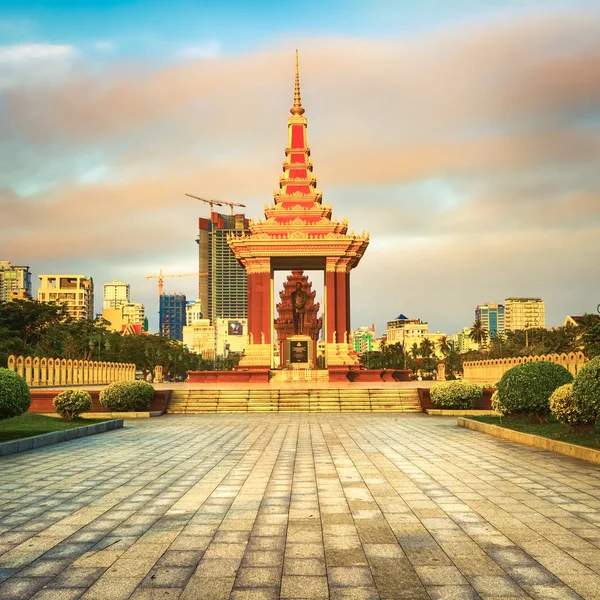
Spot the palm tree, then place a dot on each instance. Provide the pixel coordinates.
(444, 343)
(478, 332)
(426, 348)
(414, 351)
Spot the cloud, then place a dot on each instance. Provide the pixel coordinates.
(470, 154)
(210, 49)
(105, 45)
(27, 65)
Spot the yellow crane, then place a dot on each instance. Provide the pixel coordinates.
(213, 202)
(161, 277)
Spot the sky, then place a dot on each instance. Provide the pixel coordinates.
(463, 135)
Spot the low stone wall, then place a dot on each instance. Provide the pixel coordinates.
(530, 439)
(41, 401)
(491, 371)
(47, 439)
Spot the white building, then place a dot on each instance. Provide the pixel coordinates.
(200, 338)
(231, 336)
(134, 312)
(193, 312)
(408, 332)
(74, 291)
(116, 294)
(525, 313)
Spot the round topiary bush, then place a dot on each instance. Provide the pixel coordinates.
(586, 391)
(562, 405)
(526, 388)
(456, 394)
(123, 396)
(15, 397)
(71, 403)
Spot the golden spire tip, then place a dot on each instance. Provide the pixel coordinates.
(297, 109)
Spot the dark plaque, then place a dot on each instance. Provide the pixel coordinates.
(299, 352)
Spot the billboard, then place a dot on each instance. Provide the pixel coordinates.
(235, 328)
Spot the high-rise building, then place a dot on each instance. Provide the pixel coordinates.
(223, 293)
(15, 281)
(362, 339)
(116, 294)
(525, 313)
(193, 312)
(492, 317)
(172, 315)
(74, 291)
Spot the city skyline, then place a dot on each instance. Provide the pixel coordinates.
(465, 140)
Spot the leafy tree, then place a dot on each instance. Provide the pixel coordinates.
(428, 366)
(453, 365)
(591, 336)
(395, 356)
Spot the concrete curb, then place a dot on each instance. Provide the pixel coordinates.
(113, 415)
(47, 439)
(455, 412)
(529, 439)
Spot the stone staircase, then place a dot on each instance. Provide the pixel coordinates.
(293, 400)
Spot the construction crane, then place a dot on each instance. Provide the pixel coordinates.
(160, 278)
(217, 202)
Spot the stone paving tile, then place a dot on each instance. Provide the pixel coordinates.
(258, 507)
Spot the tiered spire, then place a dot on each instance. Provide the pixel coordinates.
(298, 212)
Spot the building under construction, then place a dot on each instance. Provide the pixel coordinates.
(172, 315)
(224, 291)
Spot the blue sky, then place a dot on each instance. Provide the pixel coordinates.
(463, 135)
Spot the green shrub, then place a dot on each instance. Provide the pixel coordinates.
(526, 388)
(562, 405)
(71, 403)
(456, 394)
(123, 396)
(586, 391)
(495, 401)
(15, 397)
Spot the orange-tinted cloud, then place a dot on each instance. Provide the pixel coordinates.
(499, 120)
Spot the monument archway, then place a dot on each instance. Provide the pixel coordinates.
(298, 233)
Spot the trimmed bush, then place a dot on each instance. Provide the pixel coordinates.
(526, 388)
(586, 391)
(562, 405)
(15, 397)
(71, 403)
(456, 394)
(124, 396)
(495, 402)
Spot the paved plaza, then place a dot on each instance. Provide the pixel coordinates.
(259, 507)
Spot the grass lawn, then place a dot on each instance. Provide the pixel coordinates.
(551, 428)
(30, 424)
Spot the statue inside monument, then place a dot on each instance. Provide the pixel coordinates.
(299, 298)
